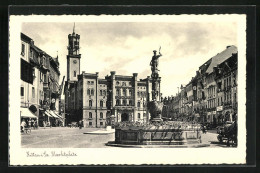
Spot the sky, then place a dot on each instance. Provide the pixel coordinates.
(127, 47)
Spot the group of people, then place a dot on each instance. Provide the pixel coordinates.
(28, 123)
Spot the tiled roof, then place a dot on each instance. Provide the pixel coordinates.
(221, 57)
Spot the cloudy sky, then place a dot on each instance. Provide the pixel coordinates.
(128, 47)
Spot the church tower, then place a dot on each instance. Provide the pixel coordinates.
(73, 57)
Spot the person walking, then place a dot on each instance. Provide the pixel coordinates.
(23, 124)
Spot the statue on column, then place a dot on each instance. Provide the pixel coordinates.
(155, 106)
(155, 63)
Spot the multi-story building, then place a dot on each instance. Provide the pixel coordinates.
(213, 85)
(30, 87)
(95, 100)
(211, 96)
(39, 81)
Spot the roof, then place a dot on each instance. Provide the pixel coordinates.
(25, 38)
(221, 57)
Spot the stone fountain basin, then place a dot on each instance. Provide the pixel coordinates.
(156, 136)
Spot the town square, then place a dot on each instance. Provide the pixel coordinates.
(64, 105)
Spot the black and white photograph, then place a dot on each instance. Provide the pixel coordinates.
(127, 89)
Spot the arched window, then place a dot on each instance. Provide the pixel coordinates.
(139, 115)
(92, 92)
(90, 114)
(101, 115)
(138, 104)
(100, 92)
(75, 73)
(90, 103)
(88, 92)
(124, 92)
(104, 92)
(138, 94)
(130, 103)
(124, 102)
(117, 102)
(143, 104)
(101, 103)
(144, 115)
(117, 92)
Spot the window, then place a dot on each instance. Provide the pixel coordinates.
(138, 94)
(22, 91)
(124, 102)
(117, 102)
(75, 73)
(101, 115)
(144, 115)
(100, 92)
(90, 114)
(235, 97)
(90, 123)
(33, 92)
(104, 92)
(23, 49)
(88, 92)
(124, 92)
(130, 103)
(138, 104)
(101, 123)
(90, 103)
(117, 92)
(130, 92)
(139, 116)
(101, 103)
(92, 92)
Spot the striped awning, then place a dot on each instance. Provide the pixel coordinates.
(48, 113)
(53, 114)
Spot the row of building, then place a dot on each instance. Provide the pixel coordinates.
(211, 95)
(39, 88)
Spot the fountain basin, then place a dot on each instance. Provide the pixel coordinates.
(139, 136)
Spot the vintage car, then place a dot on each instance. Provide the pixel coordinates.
(228, 133)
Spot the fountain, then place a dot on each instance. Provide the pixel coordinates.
(156, 132)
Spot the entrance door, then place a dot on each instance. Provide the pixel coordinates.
(124, 117)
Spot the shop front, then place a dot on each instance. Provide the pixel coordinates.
(219, 116)
(28, 117)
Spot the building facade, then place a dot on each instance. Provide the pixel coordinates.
(210, 96)
(96, 100)
(40, 89)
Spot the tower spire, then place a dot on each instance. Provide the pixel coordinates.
(74, 28)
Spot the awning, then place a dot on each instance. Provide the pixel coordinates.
(53, 114)
(26, 113)
(48, 113)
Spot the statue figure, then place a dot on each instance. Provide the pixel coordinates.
(155, 63)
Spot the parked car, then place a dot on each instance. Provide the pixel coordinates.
(228, 133)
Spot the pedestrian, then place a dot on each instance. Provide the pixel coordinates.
(29, 122)
(23, 124)
(80, 124)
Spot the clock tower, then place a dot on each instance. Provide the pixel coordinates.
(73, 57)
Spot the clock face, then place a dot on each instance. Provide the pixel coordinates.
(75, 61)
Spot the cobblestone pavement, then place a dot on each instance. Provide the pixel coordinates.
(65, 137)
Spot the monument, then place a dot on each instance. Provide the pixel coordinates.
(155, 105)
(156, 132)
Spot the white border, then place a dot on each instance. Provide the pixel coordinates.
(125, 155)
